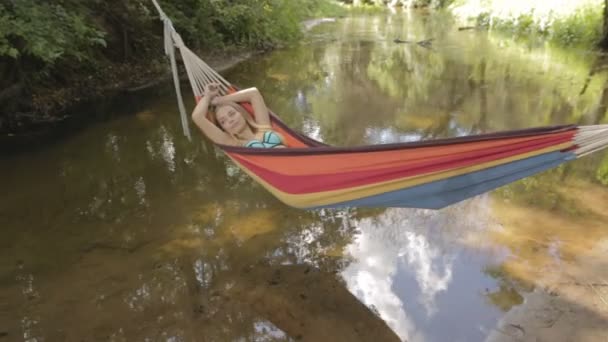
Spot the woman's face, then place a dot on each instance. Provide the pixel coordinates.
(230, 120)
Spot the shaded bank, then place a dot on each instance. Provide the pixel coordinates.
(24, 130)
(57, 57)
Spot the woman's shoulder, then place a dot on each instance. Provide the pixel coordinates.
(264, 127)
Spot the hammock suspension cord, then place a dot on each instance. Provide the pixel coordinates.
(199, 73)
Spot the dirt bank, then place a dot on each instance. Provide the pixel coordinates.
(56, 111)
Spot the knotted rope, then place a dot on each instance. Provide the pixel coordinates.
(199, 73)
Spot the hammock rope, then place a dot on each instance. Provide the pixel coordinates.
(199, 73)
(425, 174)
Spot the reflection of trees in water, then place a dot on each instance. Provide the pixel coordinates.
(599, 114)
(350, 102)
(26, 289)
(456, 85)
(232, 273)
(192, 282)
(164, 233)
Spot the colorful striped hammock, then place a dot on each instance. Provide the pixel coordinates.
(426, 174)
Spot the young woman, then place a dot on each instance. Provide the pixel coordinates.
(226, 122)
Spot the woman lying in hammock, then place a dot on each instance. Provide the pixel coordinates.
(226, 122)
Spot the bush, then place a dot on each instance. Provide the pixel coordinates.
(567, 24)
(245, 23)
(583, 28)
(51, 45)
(47, 32)
(602, 172)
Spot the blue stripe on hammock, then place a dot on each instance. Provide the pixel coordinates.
(439, 194)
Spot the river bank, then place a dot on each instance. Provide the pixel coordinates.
(61, 110)
(58, 110)
(56, 60)
(576, 24)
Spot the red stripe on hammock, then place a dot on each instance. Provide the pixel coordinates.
(302, 184)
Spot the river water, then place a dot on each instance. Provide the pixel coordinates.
(126, 231)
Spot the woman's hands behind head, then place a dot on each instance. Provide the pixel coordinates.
(212, 90)
(217, 100)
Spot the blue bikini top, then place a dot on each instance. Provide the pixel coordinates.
(270, 139)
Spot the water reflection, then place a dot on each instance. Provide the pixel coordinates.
(404, 264)
(159, 238)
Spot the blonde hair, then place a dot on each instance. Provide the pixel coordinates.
(254, 126)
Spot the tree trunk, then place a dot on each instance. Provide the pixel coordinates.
(604, 42)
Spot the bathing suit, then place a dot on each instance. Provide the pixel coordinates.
(270, 139)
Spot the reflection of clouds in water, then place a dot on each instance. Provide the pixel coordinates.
(371, 282)
(235, 173)
(301, 102)
(312, 129)
(328, 80)
(310, 241)
(300, 244)
(202, 271)
(421, 256)
(415, 241)
(266, 331)
(456, 130)
(370, 277)
(168, 149)
(27, 288)
(165, 286)
(150, 149)
(112, 145)
(141, 295)
(376, 135)
(28, 326)
(140, 189)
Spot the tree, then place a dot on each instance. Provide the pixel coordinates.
(604, 42)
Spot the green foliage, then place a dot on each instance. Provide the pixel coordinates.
(323, 8)
(602, 171)
(244, 23)
(409, 3)
(483, 19)
(432, 3)
(366, 9)
(583, 28)
(46, 32)
(71, 29)
(53, 48)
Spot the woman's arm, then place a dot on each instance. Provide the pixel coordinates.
(209, 128)
(252, 95)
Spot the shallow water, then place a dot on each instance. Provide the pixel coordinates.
(127, 231)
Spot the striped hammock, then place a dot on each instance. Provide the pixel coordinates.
(426, 174)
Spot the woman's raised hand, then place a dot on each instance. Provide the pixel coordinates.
(212, 90)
